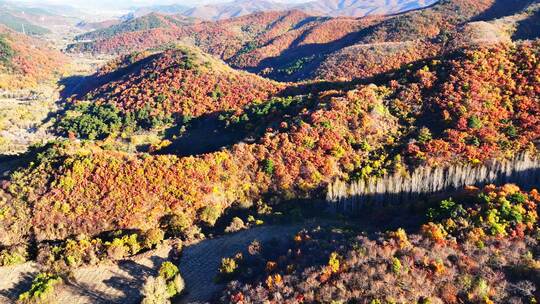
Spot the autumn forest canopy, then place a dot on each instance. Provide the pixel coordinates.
(186, 131)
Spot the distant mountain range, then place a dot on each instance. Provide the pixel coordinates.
(293, 45)
(172, 9)
(234, 9)
(35, 20)
(352, 8)
(360, 8)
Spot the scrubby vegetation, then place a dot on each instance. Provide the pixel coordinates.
(457, 258)
(166, 285)
(6, 52)
(83, 250)
(158, 194)
(13, 255)
(92, 121)
(98, 121)
(42, 288)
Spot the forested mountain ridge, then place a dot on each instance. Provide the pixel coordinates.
(294, 46)
(180, 83)
(143, 23)
(302, 143)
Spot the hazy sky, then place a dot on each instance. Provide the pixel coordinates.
(108, 9)
(127, 3)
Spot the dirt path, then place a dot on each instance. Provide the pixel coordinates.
(15, 279)
(200, 262)
(121, 282)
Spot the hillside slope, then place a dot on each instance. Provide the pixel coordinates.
(143, 23)
(300, 145)
(26, 61)
(21, 25)
(446, 256)
(151, 89)
(184, 81)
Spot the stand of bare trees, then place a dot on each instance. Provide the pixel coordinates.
(524, 170)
